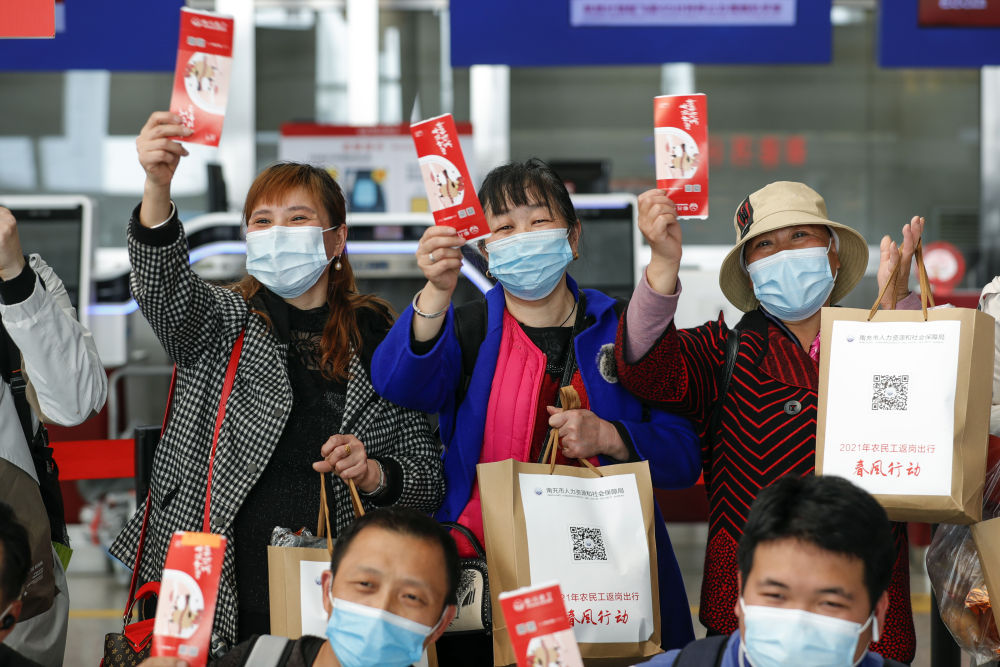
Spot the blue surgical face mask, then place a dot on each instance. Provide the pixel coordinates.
(363, 636)
(777, 637)
(793, 284)
(287, 260)
(530, 265)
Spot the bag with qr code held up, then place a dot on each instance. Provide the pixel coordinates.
(592, 530)
(904, 405)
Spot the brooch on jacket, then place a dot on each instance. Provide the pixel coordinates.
(606, 363)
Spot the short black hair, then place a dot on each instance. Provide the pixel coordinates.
(522, 183)
(405, 521)
(16, 555)
(830, 513)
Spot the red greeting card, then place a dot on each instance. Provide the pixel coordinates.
(446, 178)
(539, 628)
(188, 591)
(201, 76)
(680, 136)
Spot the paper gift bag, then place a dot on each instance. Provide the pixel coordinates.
(593, 533)
(904, 405)
(295, 591)
(294, 583)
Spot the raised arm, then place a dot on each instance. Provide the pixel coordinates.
(59, 354)
(439, 256)
(159, 156)
(654, 302)
(418, 379)
(183, 310)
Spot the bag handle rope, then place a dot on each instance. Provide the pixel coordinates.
(925, 285)
(323, 520)
(570, 400)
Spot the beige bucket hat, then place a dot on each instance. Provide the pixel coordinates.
(786, 204)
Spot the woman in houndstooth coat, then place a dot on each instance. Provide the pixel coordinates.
(301, 401)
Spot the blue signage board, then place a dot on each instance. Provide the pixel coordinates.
(523, 33)
(903, 42)
(118, 35)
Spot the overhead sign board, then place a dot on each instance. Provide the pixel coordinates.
(117, 35)
(939, 33)
(681, 12)
(622, 32)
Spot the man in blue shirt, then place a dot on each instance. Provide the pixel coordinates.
(815, 560)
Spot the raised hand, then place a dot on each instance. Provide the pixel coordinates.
(159, 156)
(658, 224)
(890, 255)
(11, 256)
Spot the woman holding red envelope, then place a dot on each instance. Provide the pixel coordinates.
(301, 400)
(535, 332)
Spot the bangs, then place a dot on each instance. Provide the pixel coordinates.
(277, 181)
(511, 194)
(531, 183)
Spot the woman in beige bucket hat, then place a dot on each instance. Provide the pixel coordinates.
(789, 260)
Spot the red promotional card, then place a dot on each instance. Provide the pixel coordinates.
(188, 591)
(539, 628)
(201, 76)
(27, 18)
(446, 178)
(680, 136)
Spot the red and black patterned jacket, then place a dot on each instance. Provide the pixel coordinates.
(767, 430)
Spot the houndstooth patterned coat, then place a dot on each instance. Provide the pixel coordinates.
(198, 323)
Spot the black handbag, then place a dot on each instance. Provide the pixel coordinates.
(474, 610)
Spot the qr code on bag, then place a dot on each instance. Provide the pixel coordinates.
(889, 392)
(588, 543)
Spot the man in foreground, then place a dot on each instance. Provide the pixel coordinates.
(390, 591)
(815, 560)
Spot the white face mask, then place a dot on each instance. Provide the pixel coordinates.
(777, 637)
(287, 260)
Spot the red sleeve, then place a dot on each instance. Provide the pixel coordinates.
(679, 372)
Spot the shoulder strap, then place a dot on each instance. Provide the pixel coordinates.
(470, 330)
(145, 514)
(732, 350)
(227, 387)
(267, 651)
(703, 652)
(14, 376)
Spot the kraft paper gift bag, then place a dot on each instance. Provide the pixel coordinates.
(904, 406)
(591, 531)
(293, 582)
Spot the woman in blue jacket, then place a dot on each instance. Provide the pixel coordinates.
(539, 332)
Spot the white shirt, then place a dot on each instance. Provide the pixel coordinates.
(61, 364)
